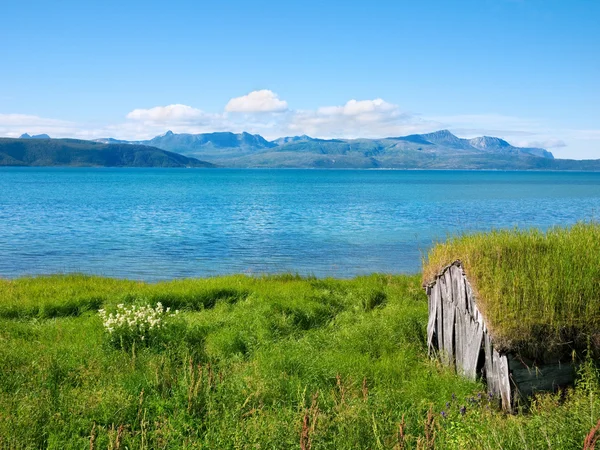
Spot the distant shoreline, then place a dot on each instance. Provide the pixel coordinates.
(324, 169)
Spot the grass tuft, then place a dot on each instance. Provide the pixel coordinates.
(540, 292)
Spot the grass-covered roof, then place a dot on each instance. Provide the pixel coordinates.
(539, 291)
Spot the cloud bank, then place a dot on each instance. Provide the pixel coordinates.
(264, 112)
(357, 118)
(13, 125)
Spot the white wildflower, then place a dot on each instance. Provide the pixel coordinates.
(135, 322)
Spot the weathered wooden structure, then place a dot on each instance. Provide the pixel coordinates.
(458, 332)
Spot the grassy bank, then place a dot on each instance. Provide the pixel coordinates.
(533, 287)
(276, 362)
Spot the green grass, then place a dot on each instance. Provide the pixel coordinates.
(539, 292)
(252, 363)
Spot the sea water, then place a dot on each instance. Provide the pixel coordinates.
(153, 224)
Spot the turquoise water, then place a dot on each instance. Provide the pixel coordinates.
(169, 223)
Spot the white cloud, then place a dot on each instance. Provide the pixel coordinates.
(13, 125)
(257, 102)
(364, 118)
(358, 108)
(147, 123)
(544, 143)
(165, 114)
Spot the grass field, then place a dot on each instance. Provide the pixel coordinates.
(261, 363)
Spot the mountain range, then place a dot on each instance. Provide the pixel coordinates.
(43, 151)
(438, 150)
(226, 145)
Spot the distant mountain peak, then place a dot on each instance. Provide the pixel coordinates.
(288, 139)
(447, 139)
(445, 135)
(168, 133)
(445, 132)
(442, 134)
(488, 143)
(497, 145)
(36, 136)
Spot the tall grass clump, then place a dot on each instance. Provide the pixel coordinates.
(539, 291)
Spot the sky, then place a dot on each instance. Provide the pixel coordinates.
(524, 70)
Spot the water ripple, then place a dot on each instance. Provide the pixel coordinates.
(156, 224)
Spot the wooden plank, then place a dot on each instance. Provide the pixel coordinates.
(448, 338)
(470, 297)
(458, 288)
(471, 352)
(439, 328)
(441, 282)
(472, 305)
(460, 338)
(490, 373)
(501, 370)
(431, 323)
(448, 286)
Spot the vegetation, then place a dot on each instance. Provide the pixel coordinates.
(78, 153)
(272, 362)
(539, 292)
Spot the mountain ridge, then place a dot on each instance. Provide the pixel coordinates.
(437, 150)
(81, 153)
(223, 145)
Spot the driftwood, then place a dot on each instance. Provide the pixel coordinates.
(457, 332)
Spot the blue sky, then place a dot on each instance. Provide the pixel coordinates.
(525, 70)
